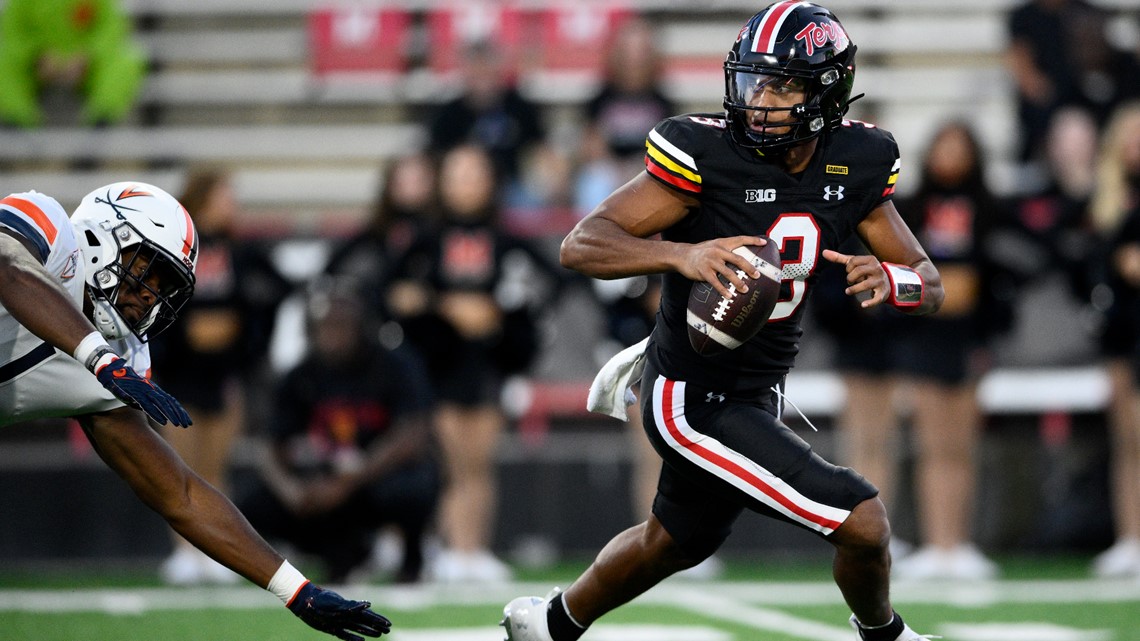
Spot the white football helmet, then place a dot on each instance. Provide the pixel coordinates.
(130, 232)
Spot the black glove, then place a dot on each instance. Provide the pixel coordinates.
(331, 613)
(135, 390)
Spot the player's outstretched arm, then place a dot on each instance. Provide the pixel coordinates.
(207, 519)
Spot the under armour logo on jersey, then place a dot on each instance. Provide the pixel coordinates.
(759, 195)
(830, 191)
(710, 397)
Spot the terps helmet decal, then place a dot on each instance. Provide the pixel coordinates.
(819, 34)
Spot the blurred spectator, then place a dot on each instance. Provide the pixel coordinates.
(209, 358)
(401, 213)
(953, 214)
(463, 301)
(350, 445)
(1115, 211)
(84, 45)
(489, 112)
(1060, 55)
(1052, 219)
(629, 104)
(940, 358)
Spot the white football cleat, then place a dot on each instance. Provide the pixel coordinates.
(906, 635)
(1120, 560)
(524, 618)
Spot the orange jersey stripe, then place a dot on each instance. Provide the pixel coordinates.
(31, 210)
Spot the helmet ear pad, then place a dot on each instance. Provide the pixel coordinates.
(107, 319)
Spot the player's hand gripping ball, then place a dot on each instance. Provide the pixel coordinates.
(718, 324)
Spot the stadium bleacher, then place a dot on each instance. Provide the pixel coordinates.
(230, 77)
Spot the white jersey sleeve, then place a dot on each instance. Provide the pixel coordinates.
(42, 221)
(37, 380)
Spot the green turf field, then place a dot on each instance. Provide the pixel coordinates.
(1038, 600)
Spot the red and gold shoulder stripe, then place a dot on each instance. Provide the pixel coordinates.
(893, 178)
(666, 162)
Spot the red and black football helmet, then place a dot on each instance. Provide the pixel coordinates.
(786, 41)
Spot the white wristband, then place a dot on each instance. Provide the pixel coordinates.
(906, 285)
(88, 347)
(286, 582)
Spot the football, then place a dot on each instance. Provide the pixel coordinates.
(718, 324)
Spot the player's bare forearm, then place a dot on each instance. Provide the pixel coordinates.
(616, 239)
(36, 301)
(600, 248)
(614, 253)
(192, 507)
(222, 532)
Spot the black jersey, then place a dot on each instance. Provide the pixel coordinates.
(853, 170)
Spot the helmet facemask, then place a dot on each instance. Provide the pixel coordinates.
(145, 277)
(768, 126)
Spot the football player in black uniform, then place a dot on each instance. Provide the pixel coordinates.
(782, 163)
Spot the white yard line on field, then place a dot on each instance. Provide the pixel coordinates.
(625, 632)
(963, 594)
(720, 606)
(672, 592)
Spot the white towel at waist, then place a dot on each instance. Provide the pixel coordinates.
(610, 392)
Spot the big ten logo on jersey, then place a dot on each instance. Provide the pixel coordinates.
(759, 195)
(719, 123)
(820, 33)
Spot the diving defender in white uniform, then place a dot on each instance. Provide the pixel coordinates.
(78, 298)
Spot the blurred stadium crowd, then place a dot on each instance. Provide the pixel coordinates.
(381, 186)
